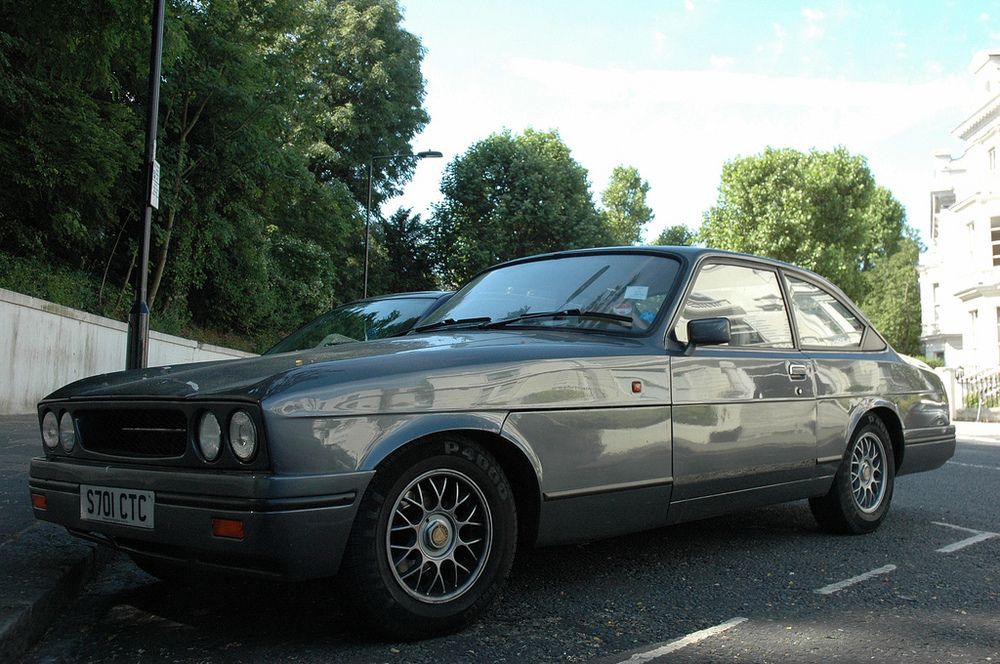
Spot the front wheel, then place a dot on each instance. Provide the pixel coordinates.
(859, 499)
(433, 540)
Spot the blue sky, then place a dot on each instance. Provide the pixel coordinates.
(677, 87)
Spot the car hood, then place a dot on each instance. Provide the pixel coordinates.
(267, 376)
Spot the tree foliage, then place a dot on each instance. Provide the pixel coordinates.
(677, 235)
(404, 262)
(508, 196)
(892, 302)
(625, 212)
(823, 211)
(269, 113)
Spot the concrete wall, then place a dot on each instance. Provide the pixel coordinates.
(44, 346)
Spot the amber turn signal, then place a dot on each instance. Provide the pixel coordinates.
(230, 528)
(39, 502)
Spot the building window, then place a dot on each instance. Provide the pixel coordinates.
(998, 335)
(995, 239)
(993, 159)
(936, 303)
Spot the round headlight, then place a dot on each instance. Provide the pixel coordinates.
(209, 436)
(242, 436)
(67, 436)
(50, 430)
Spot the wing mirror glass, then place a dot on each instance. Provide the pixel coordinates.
(709, 331)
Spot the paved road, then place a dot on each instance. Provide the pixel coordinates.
(628, 596)
(19, 441)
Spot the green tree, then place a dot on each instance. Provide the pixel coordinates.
(677, 235)
(820, 210)
(825, 212)
(405, 255)
(625, 211)
(508, 196)
(893, 300)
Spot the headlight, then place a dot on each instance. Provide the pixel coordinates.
(50, 430)
(67, 435)
(209, 436)
(242, 435)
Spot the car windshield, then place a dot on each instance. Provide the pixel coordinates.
(358, 321)
(613, 292)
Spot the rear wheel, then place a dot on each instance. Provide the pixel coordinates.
(433, 540)
(861, 493)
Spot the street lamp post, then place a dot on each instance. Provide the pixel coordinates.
(426, 154)
(137, 349)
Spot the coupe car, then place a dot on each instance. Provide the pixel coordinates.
(557, 398)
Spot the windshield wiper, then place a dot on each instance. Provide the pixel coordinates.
(565, 313)
(447, 322)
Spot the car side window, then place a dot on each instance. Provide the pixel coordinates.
(822, 319)
(749, 297)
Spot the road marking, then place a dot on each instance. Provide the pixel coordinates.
(977, 537)
(973, 465)
(840, 585)
(682, 642)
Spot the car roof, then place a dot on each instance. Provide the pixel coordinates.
(425, 295)
(692, 254)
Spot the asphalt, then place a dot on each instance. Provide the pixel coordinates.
(43, 568)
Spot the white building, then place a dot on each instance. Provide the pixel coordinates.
(960, 272)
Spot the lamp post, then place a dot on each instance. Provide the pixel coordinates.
(426, 154)
(137, 349)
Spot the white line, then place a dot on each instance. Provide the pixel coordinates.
(682, 642)
(951, 525)
(973, 465)
(840, 585)
(977, 537)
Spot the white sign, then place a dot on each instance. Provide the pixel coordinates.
(154, 191)
(636, 292)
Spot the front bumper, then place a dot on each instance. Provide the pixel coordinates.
(295, 526)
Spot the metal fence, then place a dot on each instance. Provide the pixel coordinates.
(976, 392)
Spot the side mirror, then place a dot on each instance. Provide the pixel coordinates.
(709, 332)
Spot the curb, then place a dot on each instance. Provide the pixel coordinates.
(41, 571)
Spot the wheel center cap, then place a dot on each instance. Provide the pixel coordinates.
(866, 473)
(438, 534)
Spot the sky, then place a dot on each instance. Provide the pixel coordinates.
(678, 87)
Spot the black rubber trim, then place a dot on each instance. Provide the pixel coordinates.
(220, 502)
(607, 488)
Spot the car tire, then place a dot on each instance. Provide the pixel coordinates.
(433, 540)
(859, 499)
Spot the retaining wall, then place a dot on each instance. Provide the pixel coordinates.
(43, 346)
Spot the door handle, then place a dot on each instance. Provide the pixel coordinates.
(797, 371)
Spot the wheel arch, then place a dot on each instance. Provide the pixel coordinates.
(889, 414)
(519, 464)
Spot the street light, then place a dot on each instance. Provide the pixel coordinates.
(426, 154)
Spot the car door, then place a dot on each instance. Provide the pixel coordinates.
(744, 413)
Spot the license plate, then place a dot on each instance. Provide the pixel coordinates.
(129, 507)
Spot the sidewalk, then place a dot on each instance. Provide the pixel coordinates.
(979, 432)
(41, 565)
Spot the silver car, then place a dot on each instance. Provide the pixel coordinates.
(557, 398)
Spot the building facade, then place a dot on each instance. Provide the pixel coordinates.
(960, 271)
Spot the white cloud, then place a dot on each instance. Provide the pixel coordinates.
(984, 18)
(679, 127)
(776, 46)
(814, 23)
(689, 5)
(720, 61)
(659, 42)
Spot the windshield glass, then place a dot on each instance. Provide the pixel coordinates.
(361, 321)
(630, 287)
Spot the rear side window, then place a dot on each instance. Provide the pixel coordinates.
(822, 320)
(750, 298)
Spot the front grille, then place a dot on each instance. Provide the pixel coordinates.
(152, 433)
